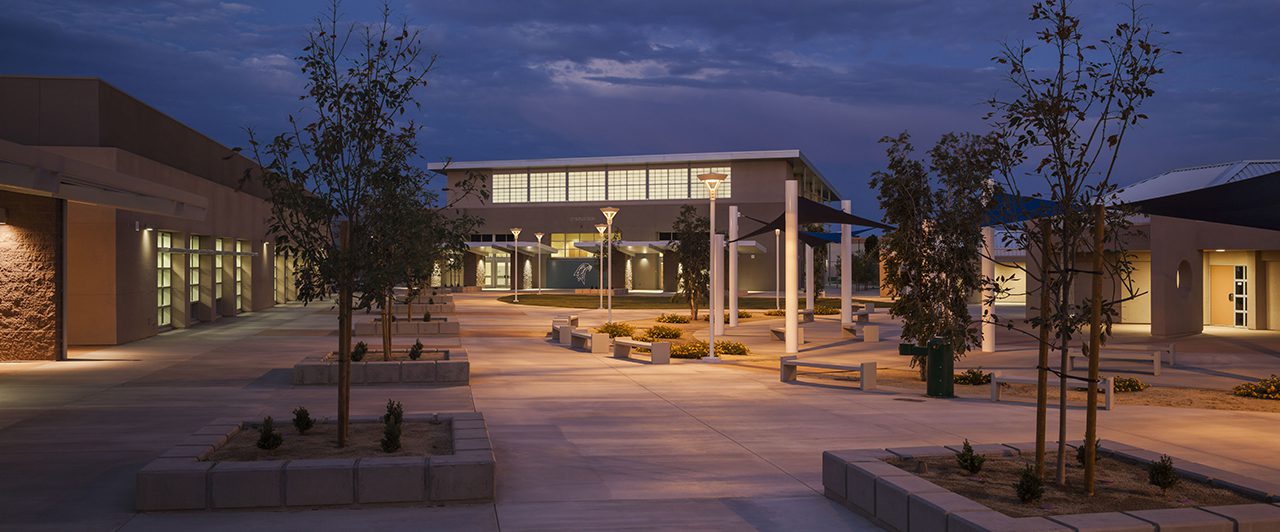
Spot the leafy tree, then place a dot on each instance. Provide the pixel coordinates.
(1071, 106)
(693, 255)
(931, 258)
(345, 174)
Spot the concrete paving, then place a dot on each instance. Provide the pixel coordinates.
(582, 441)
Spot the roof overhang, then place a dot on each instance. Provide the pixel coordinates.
(528, 248)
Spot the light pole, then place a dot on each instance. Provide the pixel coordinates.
(600, 253)
(538, 266)
(515, 265)
(712, 180)
(609, 213)
(777, 270)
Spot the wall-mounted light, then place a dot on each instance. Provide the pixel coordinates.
(1220, 250)
(4, 217)
(137, 226)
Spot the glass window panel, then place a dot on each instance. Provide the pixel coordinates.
(587, 186)
(627, 185)
(668, 183)
(510, 188)
(547, 186)
(699, 190)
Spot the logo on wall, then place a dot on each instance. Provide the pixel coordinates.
(582, 272)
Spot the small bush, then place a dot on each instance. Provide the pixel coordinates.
(973, 377)
(1129, 384)
(742, 314)
(1268, 388)
(823, 310)
(1161, 474)
(662, 332)
(426, 316)
(431, 300)
(358, 352)
(969, 460)
(1029, 486)
(302, 420)
(672, 318)
(391, 425)
(1097, 454)
(615, 329)
(415, 352)
(775, 313)
(268, 438)
(698, 349)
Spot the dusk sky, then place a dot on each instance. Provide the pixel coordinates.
(543, 78)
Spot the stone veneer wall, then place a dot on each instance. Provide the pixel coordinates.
(30, 258)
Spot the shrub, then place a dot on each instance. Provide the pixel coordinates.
(391, 424)
(431, 300)
(615, 329)
(426, 316)
(729, 347)
(268, 438)
(969, 460)
(1029, 486)
(302, 420)
(357, 352)
(672, 318)
(415, 352)
(1268, 388)
(1129, 384)
(823, 310)
(698, 349)
(662, 332)
(973, 377)
(775, 313)
(1097, 454)
(1161, 474)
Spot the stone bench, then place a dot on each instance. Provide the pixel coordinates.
(407, 328)
(586, 340)
(789, 366)
(1108, 387)
(1130, 353)
(453, 370)
(570, 320)
(861, 316)
(659, 352)
(868, 333)
(806, 315)
(780, 334)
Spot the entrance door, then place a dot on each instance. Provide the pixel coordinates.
(501, 276)
(1241, 297)
(1222, 296)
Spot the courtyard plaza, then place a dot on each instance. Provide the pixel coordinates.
(582, 441)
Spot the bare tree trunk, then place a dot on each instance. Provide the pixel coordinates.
(408, 304)
(386, 326)
(1062, 391)
(1095, 344)
(1042, 372)
(344, 340)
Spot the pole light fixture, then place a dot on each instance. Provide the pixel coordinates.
(777, 270)
(515, 264)
(600, 275)
(609, 213)
(538, 267)
(712, 180)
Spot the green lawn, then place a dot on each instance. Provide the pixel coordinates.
(642, 302)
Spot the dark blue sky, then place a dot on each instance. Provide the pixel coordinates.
(550, 78)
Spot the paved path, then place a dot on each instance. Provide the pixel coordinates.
(582, 441)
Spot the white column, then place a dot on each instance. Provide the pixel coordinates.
(792, 218)
(717, 283)
(733, 266)
(846, 267)
(809, 292)
(988, 308)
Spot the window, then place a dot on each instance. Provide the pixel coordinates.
(626, 184)
(217, 269)
(564, 244)
(699, 190)
(510, 188)
(241, 247)
(547, 186)
(586, 186)
(164, 280)
(668, 183)
(193, 269)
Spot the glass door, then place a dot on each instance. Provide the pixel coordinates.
(1241, 293)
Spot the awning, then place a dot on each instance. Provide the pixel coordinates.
(528, 248)
(1253, 202)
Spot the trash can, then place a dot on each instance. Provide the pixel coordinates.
(939, 364)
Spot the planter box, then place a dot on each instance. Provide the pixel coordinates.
(437, 308)
(900, 500)
(192, 484)
(597, 291)
(454, 369)
(414, 328)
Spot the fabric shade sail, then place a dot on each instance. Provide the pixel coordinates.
(812, 212)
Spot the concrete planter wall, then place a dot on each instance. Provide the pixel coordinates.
(597, 291)
(437, 308)
(408, 328)
(900, 500)
(181, 480)
(454, 369)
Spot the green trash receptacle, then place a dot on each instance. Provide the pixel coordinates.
(939, 364)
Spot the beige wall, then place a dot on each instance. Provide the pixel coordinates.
(91, 275)
(1137, 310)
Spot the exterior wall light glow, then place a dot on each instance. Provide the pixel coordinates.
(4, 217)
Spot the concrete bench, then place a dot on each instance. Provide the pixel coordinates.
(806, 315)
(588, 341)
(1131, 353)
(789, 365)
(780, 334)
(1108, 387)
(861, 316)
(868, 333)
(570, 320)
(659, 352)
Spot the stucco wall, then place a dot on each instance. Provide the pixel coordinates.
(31, 254)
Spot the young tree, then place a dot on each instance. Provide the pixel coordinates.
(693, 255)
(931, 258)
(350, 155)
(1072, 104)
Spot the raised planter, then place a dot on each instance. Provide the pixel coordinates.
(454, 369)
(437, 308)
(408, 328)
(181, 479)
(597, 291)
(862, 480)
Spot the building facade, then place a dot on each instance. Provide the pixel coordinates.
(562, 198)
(120, 222)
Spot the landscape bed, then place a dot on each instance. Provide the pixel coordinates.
(190, 476)
(870, 482)
(438, 366)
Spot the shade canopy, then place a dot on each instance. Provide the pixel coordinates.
(1012, 208)
(812, 212)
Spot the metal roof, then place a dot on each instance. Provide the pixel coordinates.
(1195, 178)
